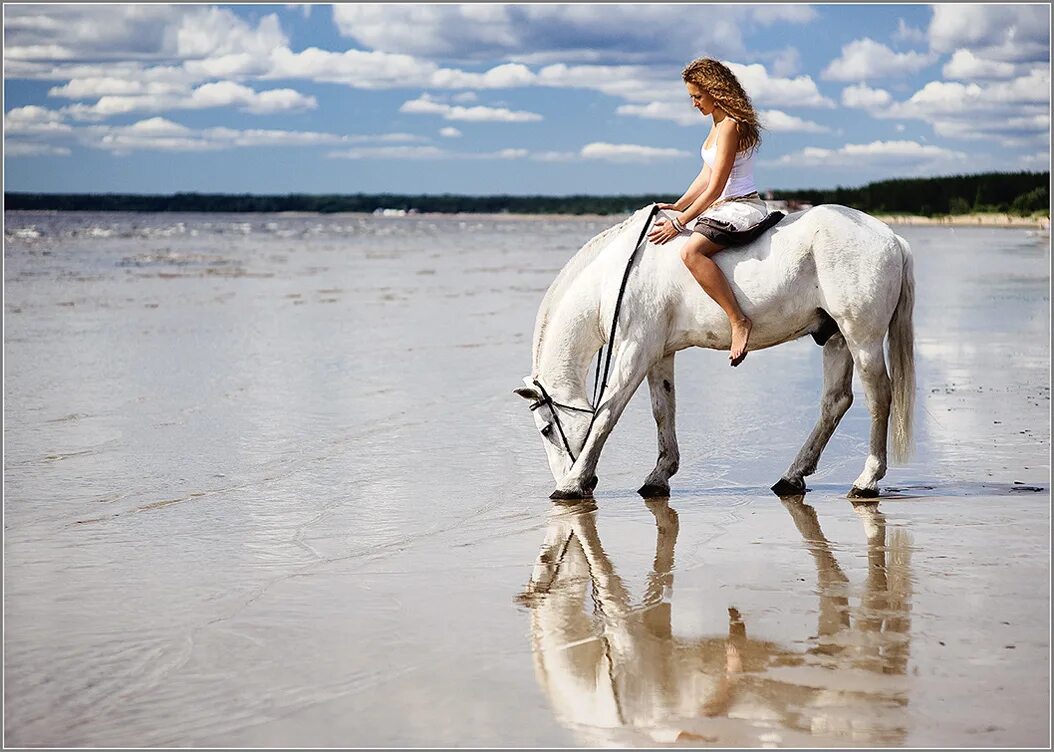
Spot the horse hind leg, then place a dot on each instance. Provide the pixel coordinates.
(663, 407)
(871, 365)
(836, 399)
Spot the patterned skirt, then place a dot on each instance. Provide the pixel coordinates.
(736, 221)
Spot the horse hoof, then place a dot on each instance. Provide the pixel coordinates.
(592, 483)
(654, 490)
(562, 495)
(786, 487)
(863, 493)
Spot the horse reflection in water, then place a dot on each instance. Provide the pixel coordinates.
(618, 676)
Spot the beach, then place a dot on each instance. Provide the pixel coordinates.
(968, 220)
(267, 484)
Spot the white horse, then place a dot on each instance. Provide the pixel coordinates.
(833, 272)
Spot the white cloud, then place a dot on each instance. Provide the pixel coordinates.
(1018, 108)
(358, 68)
(908, 34)
(1031, 89)
(226, 93)
(465, 97)
(786, 62)
(210, 95)
(635, 83)
(682, 113)
(764, 89)
(425, 105)
(629, 152)
(215, 32)
(103, 33)
(964, 65)
(30, 149)
(886, 153)
(157, 126)
(424, 152)
(34, 120)
(1040, 160)
(100, 86)
(866, 59)
(768, 15)
(541, 33)
(1013, 129)
(780, 122)
(556, 156)
(996, 31)
(449, 132)
(864, 97)
(162, 134)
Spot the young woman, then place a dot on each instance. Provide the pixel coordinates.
(723, 197)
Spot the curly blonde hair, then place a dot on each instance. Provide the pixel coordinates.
(721, 84)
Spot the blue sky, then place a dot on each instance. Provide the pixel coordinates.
(530, 98)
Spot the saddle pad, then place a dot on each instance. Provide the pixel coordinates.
(726, 235)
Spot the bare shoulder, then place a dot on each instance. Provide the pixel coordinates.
(728, 130)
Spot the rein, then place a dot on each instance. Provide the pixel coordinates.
(598, 381)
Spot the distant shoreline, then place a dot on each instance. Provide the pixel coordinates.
(998, 219)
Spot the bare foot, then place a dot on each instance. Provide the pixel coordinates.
(740, 332)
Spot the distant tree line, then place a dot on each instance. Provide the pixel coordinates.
(327, 204)
(1020, 193)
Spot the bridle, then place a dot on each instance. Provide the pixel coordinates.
(599, 384)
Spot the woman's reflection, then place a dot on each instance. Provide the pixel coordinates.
(615, 672)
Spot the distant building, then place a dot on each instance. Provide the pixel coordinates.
(785, 205)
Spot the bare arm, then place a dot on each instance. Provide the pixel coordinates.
(727, 147)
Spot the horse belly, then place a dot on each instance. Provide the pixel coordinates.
(782, 306)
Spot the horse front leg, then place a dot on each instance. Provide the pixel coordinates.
(632, 367)
(663, 407)
(837, 397)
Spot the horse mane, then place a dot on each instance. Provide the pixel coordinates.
(583, 258)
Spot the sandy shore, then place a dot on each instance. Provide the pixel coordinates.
(967, 220)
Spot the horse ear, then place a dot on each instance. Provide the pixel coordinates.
(528, 392)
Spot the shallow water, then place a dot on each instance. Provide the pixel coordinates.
(266, 484)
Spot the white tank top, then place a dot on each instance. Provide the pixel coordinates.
(740, 179)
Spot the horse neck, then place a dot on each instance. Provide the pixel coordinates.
(571, 339)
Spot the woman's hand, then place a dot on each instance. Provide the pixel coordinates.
(673, 207)
(663, 231)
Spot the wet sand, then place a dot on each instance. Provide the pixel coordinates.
(267, 485)
(970, 220)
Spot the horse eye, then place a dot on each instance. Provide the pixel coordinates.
(548, 429)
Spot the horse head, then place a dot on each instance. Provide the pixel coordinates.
(564, 426)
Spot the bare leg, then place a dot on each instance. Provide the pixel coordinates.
(696, 255)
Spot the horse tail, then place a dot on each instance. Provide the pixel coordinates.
(902, 359)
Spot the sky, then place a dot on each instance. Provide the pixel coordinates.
(510, 99)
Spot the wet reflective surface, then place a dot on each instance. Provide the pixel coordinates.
(617, 667)
(266, 484)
